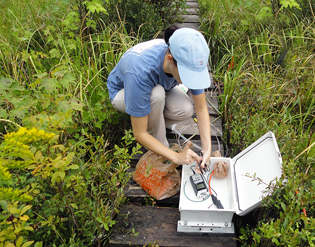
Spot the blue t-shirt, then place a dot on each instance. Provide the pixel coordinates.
(139, 70)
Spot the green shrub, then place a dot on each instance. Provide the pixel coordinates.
(70, 198)
(62, 82)
(145, 18)
(265, 75)
(53, 80)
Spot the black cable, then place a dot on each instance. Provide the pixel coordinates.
(192, 169)
(217, 202)
(216, 194)
(206, 181)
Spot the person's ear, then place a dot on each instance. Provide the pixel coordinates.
(170, 58)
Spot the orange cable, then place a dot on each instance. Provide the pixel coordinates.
(209, 182)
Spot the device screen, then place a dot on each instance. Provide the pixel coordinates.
(200, 186)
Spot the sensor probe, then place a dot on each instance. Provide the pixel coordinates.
(215, 200)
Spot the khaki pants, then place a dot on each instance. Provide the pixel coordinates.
(167, 108)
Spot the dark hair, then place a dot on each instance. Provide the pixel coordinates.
(168, 33)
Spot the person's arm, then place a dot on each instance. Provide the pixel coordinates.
(139, 127)
(203, 122)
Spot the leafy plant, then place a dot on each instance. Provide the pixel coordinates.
(17, 154)
(149, 201)
(14, 225)
(133, 232)
(150, 21)
(62, 190)
(266, 83)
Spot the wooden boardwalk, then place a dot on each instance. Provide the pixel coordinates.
(157, 226)
(139, 224)
(190, 19)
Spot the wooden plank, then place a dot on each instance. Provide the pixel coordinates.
(195, 26)
(212, 102)
(190, 18)
(190, 11)
(189, 127)
(192, 4)
(158, 226)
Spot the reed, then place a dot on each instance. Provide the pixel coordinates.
(270, 87)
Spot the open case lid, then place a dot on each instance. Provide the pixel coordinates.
(255, 167)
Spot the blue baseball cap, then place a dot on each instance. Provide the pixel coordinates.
(191, 51)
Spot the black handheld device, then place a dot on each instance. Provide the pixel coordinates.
(199, 185)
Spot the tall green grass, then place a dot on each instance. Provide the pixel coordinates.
(271, 87)
(21, 20)
(53, 77)
(45, 50)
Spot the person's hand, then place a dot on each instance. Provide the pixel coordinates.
(186, 157)
(205, 159)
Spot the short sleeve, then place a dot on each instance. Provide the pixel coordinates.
(137, 95)
(197, 91)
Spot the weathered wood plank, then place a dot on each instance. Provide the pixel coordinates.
(189, 127)
(189, 25)
(137, 195)
(190, 18)
(190, 11)
(158, 226)
(212, 102)
(192, 4)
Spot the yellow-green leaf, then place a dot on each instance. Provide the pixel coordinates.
(61, 174)
(28, 228)
(24, 217)
(13, 210)
(19, 241)
(28, 243)
(18, 229)
(9, 245)
(55, 177)
(38, 244)
(55, 53)
(11, 235)
(23, 210)
(4, 204)
(74, 167)
(44, 223)
(60, 146)
(69, 157)
(3, 232)
(39, 156)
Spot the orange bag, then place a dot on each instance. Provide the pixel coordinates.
(157, 175)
